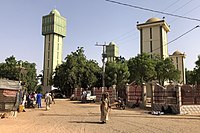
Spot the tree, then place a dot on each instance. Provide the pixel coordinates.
(76, 71)
(145, 68)
(9, 69)
(90, 74)
(20, 71)
(190, 77)
(29, 75)
(117, 73)
(195, 74)
(141, 68)
(166, 71)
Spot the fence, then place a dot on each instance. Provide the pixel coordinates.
(97, 92)
(190, 95)
(134, 94)
(165, 98)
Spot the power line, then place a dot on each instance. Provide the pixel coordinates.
(122, 36)
(186, 12)
(151, 10)
(171, 5)
(177, 38)
(182, 6)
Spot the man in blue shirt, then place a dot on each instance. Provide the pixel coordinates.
(39, 100)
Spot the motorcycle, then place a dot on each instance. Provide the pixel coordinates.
(120, 104)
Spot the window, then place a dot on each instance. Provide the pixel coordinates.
(48, 55)
(150, 33)
(49, 46)
(48, 65)
(57, 55)
(177, 62)
(151, 47)
(47, 81)
(49, 38)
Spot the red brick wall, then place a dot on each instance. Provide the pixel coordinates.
(134, 93)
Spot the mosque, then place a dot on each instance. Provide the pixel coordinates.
(153, 40)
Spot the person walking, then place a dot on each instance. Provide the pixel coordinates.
(48, 100)
(52, 96)
(105, 107)
(39, 100)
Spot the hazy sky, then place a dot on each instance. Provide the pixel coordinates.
(91, 21)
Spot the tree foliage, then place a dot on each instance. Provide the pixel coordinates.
(145, 68)
(166, 71)
(76, 71)
(141, 68)
(193, 77)
(117, 73)
(20, 71)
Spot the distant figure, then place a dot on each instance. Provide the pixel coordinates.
(104, 107)
(52, 96)
(39, 100)
(48, 100)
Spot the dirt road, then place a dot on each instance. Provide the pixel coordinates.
(73, 117)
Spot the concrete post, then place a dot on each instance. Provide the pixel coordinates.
(127, 93)
(144, 95)
(152, 95)
(114, 93)
(179, 98)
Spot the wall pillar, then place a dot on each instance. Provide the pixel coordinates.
(179, 98)
(144, 95)
(152, 95)
(127, 93)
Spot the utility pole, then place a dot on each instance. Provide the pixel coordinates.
(103, 61)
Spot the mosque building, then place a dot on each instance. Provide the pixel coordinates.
(154, 40)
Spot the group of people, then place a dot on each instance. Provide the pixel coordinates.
(32, 100)
(35, 100)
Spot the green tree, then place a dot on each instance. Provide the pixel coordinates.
(20, 71)
(196, 72)
(166, 71)
(76, 71)
(29, 75)
(117, 73)
(141, 68)
(9, 69)
(190, 77)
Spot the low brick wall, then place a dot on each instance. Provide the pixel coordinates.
(97, 92)
(174, 107)
(134, 94)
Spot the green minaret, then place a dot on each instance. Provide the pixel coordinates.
(53, 30)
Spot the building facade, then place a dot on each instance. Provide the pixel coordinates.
(112, 52)
(53, 30)
(179, 63)
(153, 37)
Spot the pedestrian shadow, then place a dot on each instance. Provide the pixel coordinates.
(89, 122)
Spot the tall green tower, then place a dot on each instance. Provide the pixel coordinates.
(53, 30)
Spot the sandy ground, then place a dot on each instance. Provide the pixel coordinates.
(73, 117)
